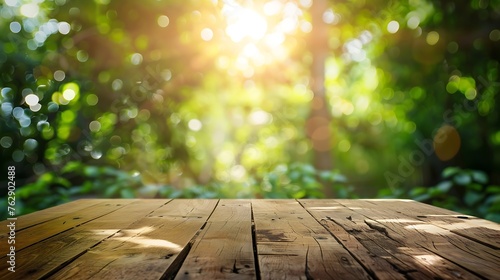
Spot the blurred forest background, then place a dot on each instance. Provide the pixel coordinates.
(267, 99)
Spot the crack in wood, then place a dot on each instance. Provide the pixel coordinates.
(235, 269)
(254, 245)
(377, 227)
(306, 271)
(176, 265)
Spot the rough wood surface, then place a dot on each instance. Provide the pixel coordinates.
(146, 248)
(224, 248)
(53, 212)
(45, 257)
(52, 227)
(251, 239)
(291, 244)
(479, 230)
(441, 245)
(382, 245)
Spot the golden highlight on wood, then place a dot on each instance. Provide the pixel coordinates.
(251, 239)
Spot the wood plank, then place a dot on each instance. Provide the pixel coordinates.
(479, 230)
(48, 229)
(46, 257)
(378, 249)
(150, 248)
(224, 248)
(473, 256)
(51, 213)
(291, 244)
(338, 221)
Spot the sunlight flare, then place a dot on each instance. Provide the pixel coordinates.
(245, 23)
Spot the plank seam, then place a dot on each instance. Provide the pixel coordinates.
(78, 225)
(254, 244)
(176, 265)
(369, 271)
(422, 246)
(64, 264)
(451, 261)
(50, 219)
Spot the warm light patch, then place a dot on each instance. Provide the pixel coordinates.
(30, 10)
(207, 34)
(393, 27)
(428, 259)
(163, 21)
(446, 142)
(432, 38)
(258, 34)
(245, 23)
(344, 145)
(31, 99)
(325, 208)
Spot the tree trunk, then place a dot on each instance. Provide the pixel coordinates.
(318, 125)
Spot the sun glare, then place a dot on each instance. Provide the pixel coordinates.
(260, 35)
(245, 23)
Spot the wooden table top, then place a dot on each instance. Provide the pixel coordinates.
(250, 239)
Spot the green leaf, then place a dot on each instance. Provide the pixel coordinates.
(308, 169)
(343, 193)
(385, 193)
(176, 194)
(325, 175)
(495, 217)
(493, 189)
(339, 178)
(294, 175)
(91, 171)
(472, 198)
(462, 179)
(418, 191)
(450, 171)
(72, 166)
(493, 202)
(444, 186)
(423, 197)
(434, 192)
(46, 178)
(480, 177)
(87, 187)
(299, 194)
(111, 191)
(76, 190)
(273, 179)
(127, 193)
(475, 187)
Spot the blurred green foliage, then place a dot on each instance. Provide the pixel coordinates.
(77, 180)
(184, 99)
(462, 190)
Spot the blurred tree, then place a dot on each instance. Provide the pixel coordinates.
(231, 94)
(318, 124)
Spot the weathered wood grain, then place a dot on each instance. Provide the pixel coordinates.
(46, 257)
(291, 244)
(339, 222)
(403, 259)
(479, 230)
(223, 250)
(252, 239)
(150, 248)
(473, 256)
(52, 227)
(44, 215)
